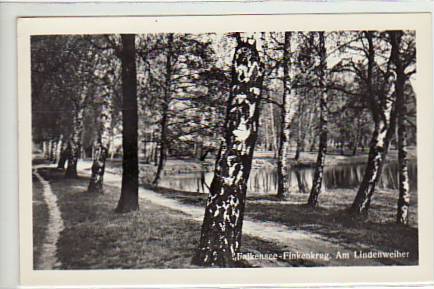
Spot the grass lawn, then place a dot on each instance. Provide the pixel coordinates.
(97, 238)
(379, 231)
(40, 217)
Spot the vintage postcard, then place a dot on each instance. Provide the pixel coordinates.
(226, 150)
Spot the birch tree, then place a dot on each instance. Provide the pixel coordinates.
(220, 239)
(75, 138)
(64, 151)
(290, 102)
(78, 75)
(106, 75)
(403, 58)
(382, 107)
(53, 90)
(323, 119)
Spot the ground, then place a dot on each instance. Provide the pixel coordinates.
(165, 231)
(95, 237)
(40, 215)
(330, 221)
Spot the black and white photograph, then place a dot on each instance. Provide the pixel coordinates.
(238, 149)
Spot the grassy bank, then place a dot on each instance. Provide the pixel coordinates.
(379, 231)
(308, 159)
(157, 237)
(154, 237)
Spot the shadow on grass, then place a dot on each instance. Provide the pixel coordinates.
(332, 222)
(40, 217)
(338, 226)
(153, 237)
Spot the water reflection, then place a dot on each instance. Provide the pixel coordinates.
(264, 180)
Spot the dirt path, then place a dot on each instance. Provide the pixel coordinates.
(288, 239)
(48, 258)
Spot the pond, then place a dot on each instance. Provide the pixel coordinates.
(263, 181)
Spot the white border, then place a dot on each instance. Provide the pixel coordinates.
(265, 276)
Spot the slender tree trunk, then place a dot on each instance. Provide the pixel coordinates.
(203, 156)
(384, 128)
(59, 148)
(301, 143)
(49, 150)
(266, 134)
(220, 239)
(101, 149)
(322, 149)
(145, 152)
(53, 149)
(93, 149)
(356, 137)
(377, 152)
(363, 144)
(45, 149)
(341, 147)
(98, 168)
(274, 146)
(198, 148)
(166, 101)
(289, 105)
(112, 148)
(64, 155)
(404, 187)
(63, 152)
(311, 128)
(162, 147)
(129, 200)
(156, 145)
(75, 144)
(300, 182)
(300, 130)
(401, 109)
(297, 152)
(312, 144)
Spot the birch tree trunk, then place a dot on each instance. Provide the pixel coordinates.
(404, 187)
(274, 146)
(300, 182)
(53, 149)
(356, 137)
(301, 130)
(64, 155)
(129, 199)
(220, 239)
(289, 105)
(311, 129)
(75, 144)
(59, 149)
(45, 152)
(401, 109)
(377, 152)
(101, 148)
(322, 147)
(49, 150)
(384, 128)
(165, 108)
